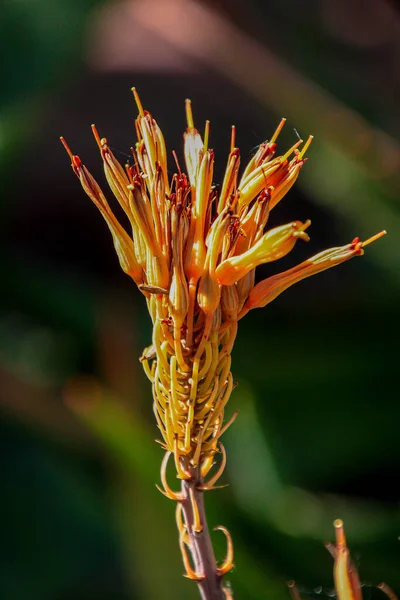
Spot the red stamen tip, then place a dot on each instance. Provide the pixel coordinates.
(96, 136)
(67, 148)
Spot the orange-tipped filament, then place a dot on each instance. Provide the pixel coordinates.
(206, 135)
(68, 149)
(138, 103)
(373, 238)
(189, 114)
(291, 150)
(339, 530)
(306, 146)
(277, 131)
(176, 162)
(233, 138)
(96, 136)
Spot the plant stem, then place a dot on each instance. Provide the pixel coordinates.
(201, 549)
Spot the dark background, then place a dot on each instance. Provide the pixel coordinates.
(317, 434)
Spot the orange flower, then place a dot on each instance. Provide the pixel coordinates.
(193, 251)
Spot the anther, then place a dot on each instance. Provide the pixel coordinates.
(138, 103)
(277, 131)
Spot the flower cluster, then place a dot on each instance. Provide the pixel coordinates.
(192, 251)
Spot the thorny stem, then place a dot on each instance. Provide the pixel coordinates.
(201, 549)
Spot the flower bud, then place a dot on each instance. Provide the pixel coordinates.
(193, 149)
(275, 244)
(209, 293)
(269, 289)
(229, 302)
(123, 244)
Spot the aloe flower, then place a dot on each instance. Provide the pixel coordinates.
(192, 251)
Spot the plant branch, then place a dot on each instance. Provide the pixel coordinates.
(209, 576)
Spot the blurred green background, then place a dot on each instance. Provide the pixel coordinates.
(317, 434)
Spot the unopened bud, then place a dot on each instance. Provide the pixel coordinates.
(229, 302)
(208, 294)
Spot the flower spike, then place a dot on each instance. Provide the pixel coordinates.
(192, 249)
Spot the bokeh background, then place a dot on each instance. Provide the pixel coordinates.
(317, 435)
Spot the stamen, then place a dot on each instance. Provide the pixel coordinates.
(277, 131)
(189, 114)
(128, 173)
(233, 138)
(305, 147)
(206, 135)
(68, 149)
(138, 103)
(177, 162)
(374, 238)
(96, 136)
(292, 149)
(135, 159)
